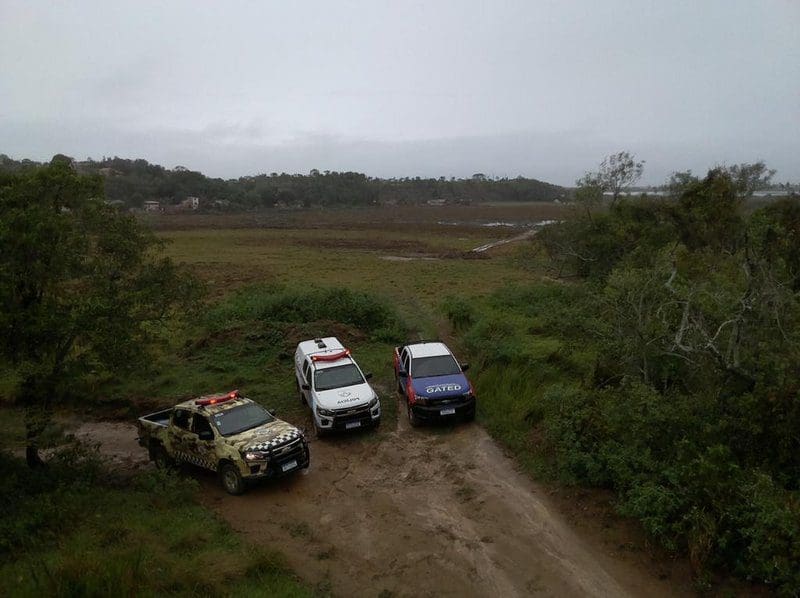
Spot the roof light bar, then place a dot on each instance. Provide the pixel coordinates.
(331, 356)
(234, 394)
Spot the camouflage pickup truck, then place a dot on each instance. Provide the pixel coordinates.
(228, 434)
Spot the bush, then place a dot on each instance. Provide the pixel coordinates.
(269, 304)
(459, 313)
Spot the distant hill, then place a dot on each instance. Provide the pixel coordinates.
(133, 182)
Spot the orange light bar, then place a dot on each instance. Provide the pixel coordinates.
(234, 394)
(331, 356)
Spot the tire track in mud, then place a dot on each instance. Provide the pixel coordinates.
(434, 511)
(430, 511)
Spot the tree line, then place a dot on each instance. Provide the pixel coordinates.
(691, 409)
(133, 182)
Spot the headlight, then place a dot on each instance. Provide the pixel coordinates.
(422, 399)
(467, 395)
(255, 456)
(373, 402)
(327, 412)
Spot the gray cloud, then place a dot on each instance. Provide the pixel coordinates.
(401, 89)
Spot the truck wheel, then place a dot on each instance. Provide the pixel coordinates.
(469, 415)
(231, 479)
(160, 457)
(412, 418)
(318, 431)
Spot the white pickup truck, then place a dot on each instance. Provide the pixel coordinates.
(334, 387)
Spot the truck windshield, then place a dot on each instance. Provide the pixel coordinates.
(343, 375)
(438, 365)
(241, 418)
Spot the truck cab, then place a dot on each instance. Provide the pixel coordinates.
(433, 383)
(228, 434)
(333, 386)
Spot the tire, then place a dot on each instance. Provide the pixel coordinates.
(159, 456)
(412, 418)
(231, 479)
(319, 432)
(470, 415)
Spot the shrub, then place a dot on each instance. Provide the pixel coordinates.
(269, 304)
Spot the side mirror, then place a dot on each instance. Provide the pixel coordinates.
(402, 374)
(464, 367)
(306, 386)
(206, 435)
(368, 375)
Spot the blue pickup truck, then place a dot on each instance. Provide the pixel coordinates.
(433, 383)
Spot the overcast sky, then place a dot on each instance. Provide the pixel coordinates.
(532, 88)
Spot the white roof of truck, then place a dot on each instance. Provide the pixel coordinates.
(428, 349)
(323, 346)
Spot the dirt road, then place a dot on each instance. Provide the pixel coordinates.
(416, 512)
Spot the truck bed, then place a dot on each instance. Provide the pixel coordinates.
(153, 427)
(159, 418)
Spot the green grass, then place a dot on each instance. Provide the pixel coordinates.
(75, 530)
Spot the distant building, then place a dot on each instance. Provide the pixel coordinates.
(152, 206)
(190, 203)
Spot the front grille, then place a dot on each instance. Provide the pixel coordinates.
(351, 412)
(292, 451)
(342, 417)
(283, 450)
(456, 400)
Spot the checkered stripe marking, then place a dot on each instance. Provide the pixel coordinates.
(195, 460)
(277, 441)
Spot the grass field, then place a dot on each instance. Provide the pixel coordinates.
(412, 270)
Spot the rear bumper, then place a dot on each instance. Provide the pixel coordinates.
(462, 406)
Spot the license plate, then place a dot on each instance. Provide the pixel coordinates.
(351, 425)
(289, 465)
(448, 411)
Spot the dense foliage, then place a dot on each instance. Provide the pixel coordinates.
(132, 182)
(82, 287)
(671, 374)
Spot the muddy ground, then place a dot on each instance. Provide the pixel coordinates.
(433, 511)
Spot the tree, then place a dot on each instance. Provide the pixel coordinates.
(617, 172)
(82, 287)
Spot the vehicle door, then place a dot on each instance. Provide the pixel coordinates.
(306, 375)
(405, 364)
(178, 433)
(204, 442)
